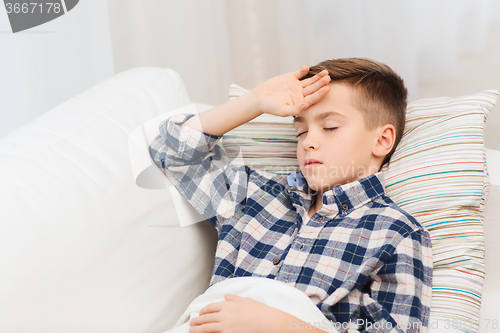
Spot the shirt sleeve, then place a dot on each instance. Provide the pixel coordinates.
(198, 166)
(400, 294)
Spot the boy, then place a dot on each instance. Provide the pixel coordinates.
(328, 230)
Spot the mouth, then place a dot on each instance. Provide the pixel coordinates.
(310, 163)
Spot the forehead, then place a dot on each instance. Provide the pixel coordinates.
(338, 104)
(321, 116)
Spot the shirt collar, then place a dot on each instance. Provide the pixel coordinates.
(341, 199)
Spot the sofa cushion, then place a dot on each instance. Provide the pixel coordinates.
(83, 248)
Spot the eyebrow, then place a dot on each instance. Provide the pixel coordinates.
(320, 116)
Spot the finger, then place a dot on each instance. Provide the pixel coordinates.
(206, 328)
(205, 319)
(317, 96)
(230, 297)
(212, 307)
(314, 78)
(236, 298)
(292, 110)
(316, 86)
(301, 72)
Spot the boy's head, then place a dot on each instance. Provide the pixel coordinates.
(372, 99)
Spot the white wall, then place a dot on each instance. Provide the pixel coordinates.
(440, 48)
(190, 36)
(47, 65)
(476, 70)
(217, 42)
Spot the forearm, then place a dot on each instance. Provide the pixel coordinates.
(225, 117)
(282, 95)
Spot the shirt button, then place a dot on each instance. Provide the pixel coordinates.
(276, 261)
(345, 206)
(302, 246)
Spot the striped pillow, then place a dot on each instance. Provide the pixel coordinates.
(267, 142)
(437, 173)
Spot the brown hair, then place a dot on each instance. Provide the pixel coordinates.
(381, 93)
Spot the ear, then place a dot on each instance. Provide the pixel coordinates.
(386, 136)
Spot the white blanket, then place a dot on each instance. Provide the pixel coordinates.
(270, 292)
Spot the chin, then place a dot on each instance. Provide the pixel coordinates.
(318, 187)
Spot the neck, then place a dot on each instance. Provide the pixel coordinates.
(318, 203)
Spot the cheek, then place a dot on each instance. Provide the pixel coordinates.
(359, 149)
(300, 154)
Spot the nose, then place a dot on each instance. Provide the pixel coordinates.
(311, 141)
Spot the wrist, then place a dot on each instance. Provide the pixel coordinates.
(253, 104)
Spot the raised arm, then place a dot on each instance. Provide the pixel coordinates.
(283, 95)
(188, 152)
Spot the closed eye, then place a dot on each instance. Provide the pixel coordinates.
(299, 134)
(326, 129)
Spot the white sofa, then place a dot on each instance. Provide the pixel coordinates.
(90, 236)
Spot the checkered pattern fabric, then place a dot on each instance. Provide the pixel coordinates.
(360, 258)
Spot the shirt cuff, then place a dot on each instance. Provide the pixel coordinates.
(186, 141)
